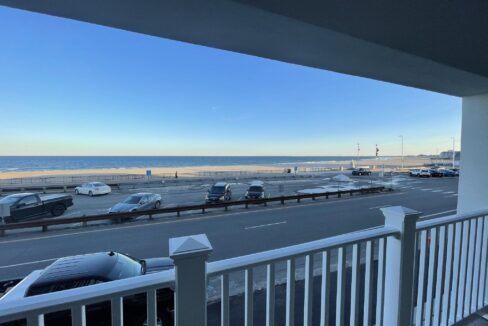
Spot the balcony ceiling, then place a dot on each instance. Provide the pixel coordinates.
(440, 45)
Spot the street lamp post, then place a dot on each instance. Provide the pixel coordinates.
(453, 151)
(401, 136)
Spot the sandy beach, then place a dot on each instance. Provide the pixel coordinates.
(377, 163)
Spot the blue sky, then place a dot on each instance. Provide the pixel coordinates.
(72, 88)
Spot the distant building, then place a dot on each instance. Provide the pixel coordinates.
(448, 155)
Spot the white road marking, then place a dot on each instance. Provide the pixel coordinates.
(440, 213)
(448, 192)
(186, 220)
(437, 190)
(378, 207)
(28, 263)
(426, 189)
(263, 225)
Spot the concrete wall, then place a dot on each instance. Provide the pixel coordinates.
(473, 180)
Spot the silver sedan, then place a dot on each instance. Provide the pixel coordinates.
(137, 202)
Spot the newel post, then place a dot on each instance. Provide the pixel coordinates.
(399, 272)
(190, 255)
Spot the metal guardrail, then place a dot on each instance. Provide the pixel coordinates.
(154, 179)
(45, 223)
(71, 180)
(78, 179)
(45, 188)
(284, 171)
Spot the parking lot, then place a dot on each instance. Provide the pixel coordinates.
(194, 193)
(191, 193)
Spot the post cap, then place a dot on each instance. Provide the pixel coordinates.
(192, 245)
(397, 216)
(399, 211)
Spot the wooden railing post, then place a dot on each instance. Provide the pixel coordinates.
(399, 271)
(190, 256)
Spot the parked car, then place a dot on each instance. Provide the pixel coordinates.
(220, 191)
(456, 171)
(361, 171)
(90, 269)
(414, 172)
(256, 191)
(137, 202)
(424, 173)
(436, 173)
(28, 206)
(93, 189)
(448, 173)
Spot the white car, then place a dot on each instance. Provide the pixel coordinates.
(414, 173)
(424, 173)
(93, 188)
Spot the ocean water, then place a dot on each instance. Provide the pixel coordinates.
(46, 163)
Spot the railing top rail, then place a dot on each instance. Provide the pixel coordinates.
(63, 300)
(270, 256)
(445, 220)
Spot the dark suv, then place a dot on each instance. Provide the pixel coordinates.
(256, 191)
(361, 171)
(85, 270)
(218, 192)
(436, 173)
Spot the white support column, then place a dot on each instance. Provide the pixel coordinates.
(399, 271)
(190, 256)
(473, 181)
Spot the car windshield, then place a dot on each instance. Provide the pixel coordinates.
(132, 199)
(98, 184)
(125, 267)
(256, 188)
(9, 200)
(217, 190)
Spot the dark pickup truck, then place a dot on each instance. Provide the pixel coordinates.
(27, 206)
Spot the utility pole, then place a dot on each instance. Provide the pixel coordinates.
(453, 151)
(358, 151)
(401, 136)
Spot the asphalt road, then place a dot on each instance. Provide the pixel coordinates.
(194, 193)
(233, 233)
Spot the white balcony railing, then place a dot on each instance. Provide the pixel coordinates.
(432, 272)
(451, 279)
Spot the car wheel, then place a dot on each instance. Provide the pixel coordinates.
(90, 194)
(58, 210)
(77, 192)
(157, 205)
